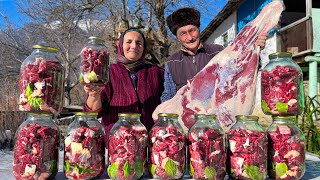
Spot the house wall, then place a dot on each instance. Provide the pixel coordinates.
(228, 26)
(249, 10)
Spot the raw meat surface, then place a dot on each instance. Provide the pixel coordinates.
(226, 85)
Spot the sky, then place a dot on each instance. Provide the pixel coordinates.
(8, 8)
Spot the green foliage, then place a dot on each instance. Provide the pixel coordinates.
(126, 169)
(311, 114)
(253, 172)
(281, 169)
(113, 170)
(210, 172)
(282, 107)
(171, 168)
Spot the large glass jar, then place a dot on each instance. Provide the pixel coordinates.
(127, 151)
(84, 147)
(167, 148)
(41, 82)
(248, 145)
(207, 149)
(282, 91)
(36, 148)
(286, 156)
(94, 65)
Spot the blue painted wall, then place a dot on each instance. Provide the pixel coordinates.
(248, 10)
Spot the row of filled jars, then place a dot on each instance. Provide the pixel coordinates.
(243, 152)
(42, 75)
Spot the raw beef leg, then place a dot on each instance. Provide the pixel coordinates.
(226, 85)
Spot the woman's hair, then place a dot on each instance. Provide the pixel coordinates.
(120, 42)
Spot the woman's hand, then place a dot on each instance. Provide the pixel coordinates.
(261, 41)
(93, 100)
(93, 91)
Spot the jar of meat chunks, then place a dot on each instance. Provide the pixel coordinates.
(286, 151)
(167, 148)
(207, 149)
(84, 147)
(248, 145)
(127, 151)
(94, 64)
(282, 91)
(36, 148)
(41, 81)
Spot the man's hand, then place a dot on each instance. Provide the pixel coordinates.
(261, 41)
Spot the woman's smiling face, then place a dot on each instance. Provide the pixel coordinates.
(133, 46)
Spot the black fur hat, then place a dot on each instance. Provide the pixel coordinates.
(183, 17)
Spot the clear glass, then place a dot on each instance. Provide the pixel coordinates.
(248, 145)
(286, 154)
(41, 82)
(127, 151)
(36, 148)
(84, 147)
(94, 65)
(207, 149)
(167, 148)
(282, 91)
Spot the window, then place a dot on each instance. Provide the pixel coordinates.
(225, 39)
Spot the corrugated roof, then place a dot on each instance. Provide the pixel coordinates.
(227, 10)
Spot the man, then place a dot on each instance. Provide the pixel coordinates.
(194, 55)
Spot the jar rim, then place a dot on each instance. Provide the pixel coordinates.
(167, 114)
(205, 116)
(247, 117)
(48, 48)
(135, 115)
(40, 114)
(283, 117)
(280, 55)
(96, 38)
(85, 114)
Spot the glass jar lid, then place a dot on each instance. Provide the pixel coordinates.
(96, 38)
(280, 55)
(244, 117)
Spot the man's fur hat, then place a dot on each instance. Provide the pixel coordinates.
(183, 17)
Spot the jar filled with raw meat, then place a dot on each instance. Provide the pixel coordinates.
(84, 147)
(282, 91)
(167, 148)
(127, 151)
(248, 145)
(94, 65)
(41, 81)
(286, 149)
(207, 149)
(36, 148)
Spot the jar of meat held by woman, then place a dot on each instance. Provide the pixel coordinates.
(94, 65)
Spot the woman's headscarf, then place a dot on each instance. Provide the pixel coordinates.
(131, 66)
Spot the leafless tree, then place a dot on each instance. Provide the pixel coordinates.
(66, 24)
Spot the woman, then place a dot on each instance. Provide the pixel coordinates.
(134, 86)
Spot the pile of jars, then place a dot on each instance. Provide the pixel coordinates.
(37, 139)
(282, 96)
